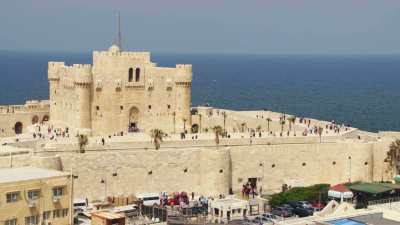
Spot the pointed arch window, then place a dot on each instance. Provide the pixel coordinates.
(130, 76)
(137, 74)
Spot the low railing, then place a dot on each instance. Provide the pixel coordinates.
(384, 201)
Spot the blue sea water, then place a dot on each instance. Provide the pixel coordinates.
(360, 90)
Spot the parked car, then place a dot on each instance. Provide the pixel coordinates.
(282, 211)
(302, 204)
(260, 220)
(305, 204)
(318, 206)
(302, 212)
(269, 216)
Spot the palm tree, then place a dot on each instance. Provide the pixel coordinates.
(83, 141)
(320, 129)
(217, 131)
(157, 135)
(174, 115)
(393, 157)
(268, 121)
(292, 120)
(282, 122)
(184, 125)
(224, 114)
(243, 125)
(200, 127)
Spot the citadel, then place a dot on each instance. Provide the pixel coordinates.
(118, 100)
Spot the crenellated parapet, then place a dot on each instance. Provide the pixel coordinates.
(184, 74)
(101, 57)
(184, 67)
(29, 106)
(54, 69)
(82, 74)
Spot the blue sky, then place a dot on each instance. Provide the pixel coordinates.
(204, 26)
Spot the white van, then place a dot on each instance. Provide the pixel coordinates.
(149, 199)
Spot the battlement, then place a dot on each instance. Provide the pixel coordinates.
(82, 73)
(137, 56)
(185, 67)
(56, 64)
(82, 66)
(53, 70)
(29, 106)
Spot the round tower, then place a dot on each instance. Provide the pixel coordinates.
(82, 83)
(54, 80)
(183, 82)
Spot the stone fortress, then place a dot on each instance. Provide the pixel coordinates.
(120, 92)
(123, 96)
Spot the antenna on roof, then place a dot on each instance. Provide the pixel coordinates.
(119, 43)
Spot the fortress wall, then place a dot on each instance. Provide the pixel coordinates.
(116, 143)
(9, 120)
(380, 167)
(212, 171)
(279, 164)
(211, 117)
(148, 172)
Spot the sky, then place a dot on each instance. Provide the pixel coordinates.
(204, 26)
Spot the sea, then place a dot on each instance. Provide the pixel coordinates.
(360, 90)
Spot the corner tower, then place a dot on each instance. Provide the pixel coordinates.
(83, 83)
(183, 82)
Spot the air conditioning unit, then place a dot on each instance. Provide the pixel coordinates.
(32, 204)
(56, 199)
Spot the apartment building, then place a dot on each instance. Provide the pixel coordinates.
(34, 196)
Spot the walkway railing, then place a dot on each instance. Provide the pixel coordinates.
(384, 201)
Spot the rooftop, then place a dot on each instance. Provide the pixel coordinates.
(108, 215)
(27, 173)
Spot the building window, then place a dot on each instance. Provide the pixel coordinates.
(97, 108)
(11, 222)
(57, 213)
(12, 197)
(64, 212)
(58, 191)
(130, 76)
(121, 107)
(137, 75)
(31, 220)
(169, 106)
(304, 164)
(33, 195)
(149, 106)
(46, 215)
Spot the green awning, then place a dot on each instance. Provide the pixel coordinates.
(372, 188)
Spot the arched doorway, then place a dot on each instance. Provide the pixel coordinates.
(133, 120)
(35, 119)
(45, 118)
(195, 128)
(18, 128)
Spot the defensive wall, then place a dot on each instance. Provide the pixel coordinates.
(205, 169)
(15, 119)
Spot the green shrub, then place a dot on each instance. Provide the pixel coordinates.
(311, 194)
